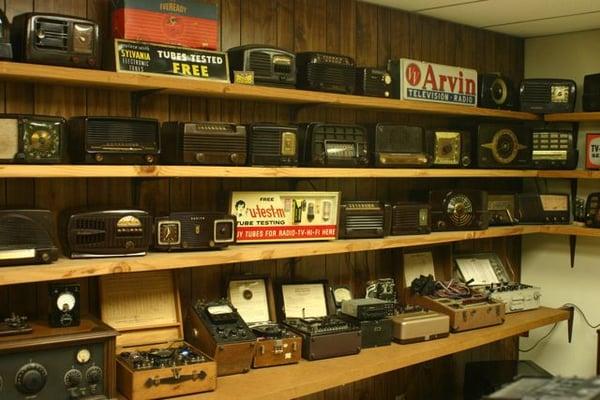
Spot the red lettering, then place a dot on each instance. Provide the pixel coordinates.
(430, 78)
(443, 79)
(452, 80)
(471, 87)
(460, 89)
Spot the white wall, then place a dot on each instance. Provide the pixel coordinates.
(546, 259)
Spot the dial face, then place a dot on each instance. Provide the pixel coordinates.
(40, 140)
(340, 294)
(83, 356)
(65, 302)
(169, 232)
(554, 202)
(460, 210)
(499, 91)
(447, 148)
(222, 309)
(559, 94)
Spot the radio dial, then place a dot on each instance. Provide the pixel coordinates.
(234, 157)
(93, 375)
(31, 378)
(73, 378)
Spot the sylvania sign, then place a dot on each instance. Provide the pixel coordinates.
(424, 81)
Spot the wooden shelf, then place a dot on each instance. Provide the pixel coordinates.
(306, 377)
(71, 269)
(573, 117)
(12, 71)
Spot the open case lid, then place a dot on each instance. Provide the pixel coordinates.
(482, 268)
(417, 264)
(308, 299)
(144, 307)
(252, 295)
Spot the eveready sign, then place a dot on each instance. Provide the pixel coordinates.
(425, 81)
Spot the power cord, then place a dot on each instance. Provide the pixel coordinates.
(540, 340)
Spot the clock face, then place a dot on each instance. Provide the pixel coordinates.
(65, 302)
(83, 356)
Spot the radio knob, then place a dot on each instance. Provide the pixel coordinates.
(93, 375)
(45, 257)
(441, 224)
(149, 158)
(99, 157)
(31, 378)
(234, 157)
(466, 161)
(200, 157)
(73, 378)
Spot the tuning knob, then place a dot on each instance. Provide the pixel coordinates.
(31, 378)
(73, 378)
(93, 375)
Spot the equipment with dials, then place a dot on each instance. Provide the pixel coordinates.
(218, 330)
(15, 325)
(371, 315)
(254, 300)
(56, 40)
(364, 219)
(272, 144)
(395, 145)
(194, 230)
(153, 360)
(63, 304)
(544, 208)
(271, 66)
(557, 388)
(450, 148)
(67, 363)
(420, 326)
(373, 82)
(32, 139)
(591, 93)
(26, 237)
(204, 143)
(496, 91)
(503, 146)
(333, 145)
(410, 219)
(502, 209)
(545, 96)
(592, 210)
(324, 335)
(554, 149)
(109, 233)
(326, 72)
(458, 210)
(367, 308)
(114, 140)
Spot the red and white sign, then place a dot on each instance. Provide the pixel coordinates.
(592, 151)
(424, 81)
(285, 216)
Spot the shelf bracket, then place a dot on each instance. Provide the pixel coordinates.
(571, 311)
(573, 238)
(136, 99)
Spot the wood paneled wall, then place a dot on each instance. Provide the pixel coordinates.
(367, 32)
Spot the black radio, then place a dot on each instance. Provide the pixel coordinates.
(6, 52)
(364, 219)
(271, 66)
(373, 82)
(503, 146)
(326, 72)
(400, 146)
(336, 145)
(502, 209)
(496, 91)
(27, 237)
(545, 96)
(592, 210)
(271, 144)
(114, 140)
(56, 39)
(204, 143)
(32, 139)
(591, 93)
(458, 210)
(554, 149)
(368, 308)
(450, 149)
(544, 208)
(411, 219)
(194, 231)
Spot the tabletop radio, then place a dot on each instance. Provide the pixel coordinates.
(400, 146)
(32, 139)
(326, 72)
(496, 91)
(503, 146)
(450, 149)
(272, 144)
(27, 237)
(194, 231)
(545, 96)
(271, 66)
(373, 82)
(544, 208)
(333, 145)
(458, 210)
(364, 219)
(410, 219)
(554, 149)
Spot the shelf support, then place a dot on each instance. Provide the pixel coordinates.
(136, 99)
(571, 311)
(573, 238)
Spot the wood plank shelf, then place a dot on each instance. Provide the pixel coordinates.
(573, 117)
(12, 71)
(71, 269)
(307, 377)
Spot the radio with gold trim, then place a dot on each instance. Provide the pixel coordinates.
(503, 146)
(373, 82)
(544, 208)
(32, 139)
(502, 209)
(496, 91)
(336, 145)
(272, 144)
(364, 219)
(450, 148)
(545, 96)
(456, 210)
(410, 219)
(194, 231)
(396, 145)
(107, 233)
(554, 149)
(271, 66)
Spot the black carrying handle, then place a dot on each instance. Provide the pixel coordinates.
(176, 378)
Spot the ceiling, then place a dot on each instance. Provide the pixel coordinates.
(524, 18)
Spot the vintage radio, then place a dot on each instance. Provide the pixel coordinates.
(110, 233)
(516, 296)
(367, 308)
(591, 93)
(271, 66)
(545, 96)
(503, 146)
(114, 140)
(270, 144)
(205, 143)
(544, 208)
(326, 72)
(27, 237)
(153, 360)
(63, 304)
(184, 23)
(497, 91)
(410, 219)
(450, 149)
(592, 151)
(502, 209)
(420, 326)
(6, 52)
(254, 299)
(56, 39)
(218, 330)
(364, 219)
(554, 149)
(592, 211)
(333, 145)
(307, 309)
(194, 230)
(458, 210)
(373, 82)
(59, 363)
(400, 146)
(32, 139)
